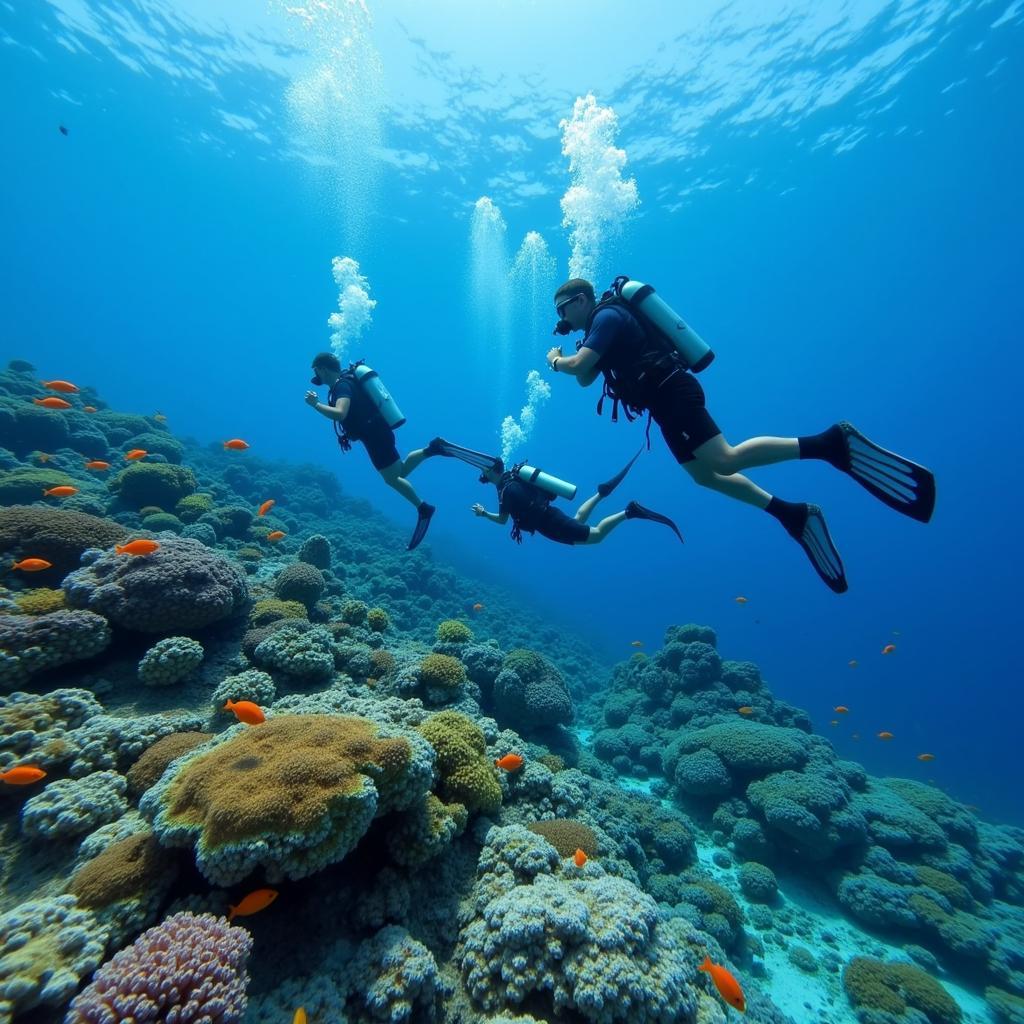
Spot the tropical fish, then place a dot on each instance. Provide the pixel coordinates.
(855, 736)
(926, 757)
(60, 385)
(60, 492)
(89, 408)
(135, 453)
(852, 663)
(636, 643)
(32, 565)
(885, 735)
(835, 721)
(888, 648)
(62, 129)
(300, 1016)
(142, 546)
(236, 444)
(745, 710)
(579, 858)
(509, 763)
(728, 987)
(52, 403)
(266, 507)
(478, 607)
(22, 775)
(895, 632)
(257, 900)
(245, 711)
(275, 535)
(841, 709)
(98, 465)
(741, 599)
(159, 417)
(43, 457)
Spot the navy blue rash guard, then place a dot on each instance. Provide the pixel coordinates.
(615, 336)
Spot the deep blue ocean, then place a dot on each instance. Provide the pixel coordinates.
(830, 194)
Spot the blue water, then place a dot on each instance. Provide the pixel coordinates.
(831, 196)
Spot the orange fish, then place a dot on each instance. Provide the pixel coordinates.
(257, 900)
(275, 535)
(745, 710)
(98, 465)
(60, 385)
(741, 599)
(841, 709)
(510, 762)
(142, 546)
(888, 648)
(926, 757)
(32, 565)
(52, 403)
(266, 507)
(636, 643)
(88, 408)
(236, 444)
(43, 457)
(728, 987)
(478, 607)
(300, 1016)
(135, 453)
(579, 858)
(885, 735)
(60, 492)
(245, 711)
(160, 417)
(23, 775)
(853, 663)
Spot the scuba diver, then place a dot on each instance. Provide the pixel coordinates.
(648, 356)
(362, 409)
(526, 494)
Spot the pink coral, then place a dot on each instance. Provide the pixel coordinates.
(187, 968)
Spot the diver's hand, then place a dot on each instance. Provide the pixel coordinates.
(478, 510)
(312, 399)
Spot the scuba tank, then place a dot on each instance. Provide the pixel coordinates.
(652, 310)
(545, 481)
(379, 396)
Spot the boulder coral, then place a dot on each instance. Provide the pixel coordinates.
(530, 692)
(170, 660)
(60, 536)
(467, 777)
(70, 807)
(33, 643)
(153, 483)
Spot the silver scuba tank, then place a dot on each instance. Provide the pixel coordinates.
(687, 342)
(382, 400)
(547, 482)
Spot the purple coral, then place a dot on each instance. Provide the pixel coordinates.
(187, 968)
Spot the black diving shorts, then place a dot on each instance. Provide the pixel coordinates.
(554, 524)
(680, 412)
(379, 441)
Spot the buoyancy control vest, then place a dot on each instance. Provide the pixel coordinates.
(525, 502)
(371, 403)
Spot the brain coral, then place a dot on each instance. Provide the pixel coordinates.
(300, 582)
(567, 836)
(291, 795)
(187, 968)
(170, 660)
(441, 670)
(153, 483)
(530, 692)
(452, 631)
(180, 587)
(32, 643)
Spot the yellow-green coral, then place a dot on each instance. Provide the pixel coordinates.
(270, 609)
(892, 987)
(191, 507)
(467, 776)
(378, 620)
(382, 663)
(552, 761)
(567, 836)
(452, 631)
(40, 601)
(441, 670)
(249, 554)
(946, 885)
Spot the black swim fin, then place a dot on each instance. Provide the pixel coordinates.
(810, 531)
(637, 511)
(609, 485)
(439, 446)
(425, 512)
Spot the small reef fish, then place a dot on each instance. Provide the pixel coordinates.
(32, 565)
(245, 711)
(89, 408)
(852, 663)
(52, 403)
(256, 901)
(741, 599)
(728, 987)
(142, 546)
(135, 453)
(300, 1016)
(855, 736)
(926, 757)
(60, 492)
(236, 444)
(841, 709)
(159, 417)
(509, 763)
(579, 858)
(895, 632)
(43, 457)
(834, 722)
(60, 385)
(275, 535)
(266, 507)
(745, 710)
(62, 129)
(478, 607)
(885, 735)
(23, 775)
(888, 648)
(636, 643)
(97, 465)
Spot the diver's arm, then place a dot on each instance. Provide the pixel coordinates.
(501, 518)
(582, 365)
(338, 411)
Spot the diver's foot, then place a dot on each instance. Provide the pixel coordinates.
(806, 525)
(609, 485)
(634, 510)
(424, 512)
(436, 447)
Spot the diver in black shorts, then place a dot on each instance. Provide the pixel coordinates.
(356, 417)
(645, 375)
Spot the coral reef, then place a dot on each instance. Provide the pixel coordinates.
(34, 643)
(70, 807)
(170, 660)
